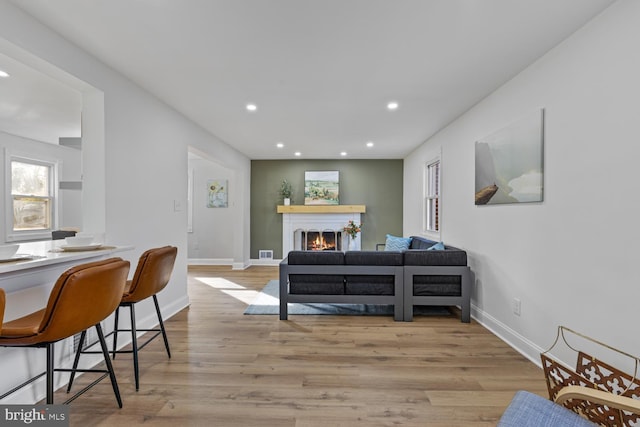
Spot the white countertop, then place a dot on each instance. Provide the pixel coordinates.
(29, 282)
(48, 253)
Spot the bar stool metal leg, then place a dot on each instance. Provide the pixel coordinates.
(76, 359)
(164, 333)
(115, 332)
(50, 368)
(134, 345)
(107, 361)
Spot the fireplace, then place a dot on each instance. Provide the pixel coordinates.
(317, 231)
(315, 240)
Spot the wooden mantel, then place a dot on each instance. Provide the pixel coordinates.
(314, 209)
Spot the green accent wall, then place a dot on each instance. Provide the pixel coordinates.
(374, 183)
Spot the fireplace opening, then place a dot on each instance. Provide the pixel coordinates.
(327, 226)
(327, 240)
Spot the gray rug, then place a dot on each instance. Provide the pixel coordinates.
(268, 302)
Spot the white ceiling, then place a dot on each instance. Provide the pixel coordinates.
(320, 71)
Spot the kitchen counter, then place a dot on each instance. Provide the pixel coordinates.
(28, 282)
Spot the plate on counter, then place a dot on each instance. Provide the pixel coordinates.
(71, 248)
(17, 257)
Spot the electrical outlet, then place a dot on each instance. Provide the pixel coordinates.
(516, 306)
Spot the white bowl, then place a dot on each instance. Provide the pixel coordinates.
(8, 251)
(79, 240)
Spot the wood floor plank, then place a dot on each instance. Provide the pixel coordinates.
(231, 369)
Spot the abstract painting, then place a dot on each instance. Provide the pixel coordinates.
(217, 193)
(321, 187)
(509, 163)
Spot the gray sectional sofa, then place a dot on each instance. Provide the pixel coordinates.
(404, 279)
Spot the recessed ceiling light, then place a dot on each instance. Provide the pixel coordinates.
(343, 153)
(4, 73)
(280, 145)
(251, 107)
(297, 154)
(392, 105)
(369, 144)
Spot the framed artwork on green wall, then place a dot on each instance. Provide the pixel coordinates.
(321, 187)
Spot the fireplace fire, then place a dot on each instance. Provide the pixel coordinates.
(321, 240)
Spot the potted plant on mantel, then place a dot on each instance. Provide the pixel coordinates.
(285, 192)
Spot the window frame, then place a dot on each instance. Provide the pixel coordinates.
(432, 191)
(12, 235)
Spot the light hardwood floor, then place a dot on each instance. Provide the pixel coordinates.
(230, 369)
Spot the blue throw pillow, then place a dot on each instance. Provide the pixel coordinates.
(394, 243)
(437, 247)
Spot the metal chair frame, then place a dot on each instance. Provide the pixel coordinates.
(50, 370)
(135, 348)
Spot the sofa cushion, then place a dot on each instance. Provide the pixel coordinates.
(418, 242)
(432, 285)
(450, 256)
(371, 284)
(320, 284)
(373, 258)
(315, 258)
(394, 243)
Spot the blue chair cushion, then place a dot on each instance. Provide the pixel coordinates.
(530, 410)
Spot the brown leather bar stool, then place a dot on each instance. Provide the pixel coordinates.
(81, 298)
(151, 276)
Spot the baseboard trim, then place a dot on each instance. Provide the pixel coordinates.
(516, 341)
(234, 265)
(268, 262)
(210, 261)
(240, 265)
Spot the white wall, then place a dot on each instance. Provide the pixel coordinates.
(211, 239)
(69, 169)
(145, 159)
(570, 259)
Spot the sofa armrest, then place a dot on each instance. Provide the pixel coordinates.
(463, 299)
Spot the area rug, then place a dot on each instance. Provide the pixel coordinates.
(268, 302)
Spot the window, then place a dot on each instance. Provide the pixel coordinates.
(32, 199)
(432, 196)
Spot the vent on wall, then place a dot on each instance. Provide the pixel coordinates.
(90, 339)
(265, 254)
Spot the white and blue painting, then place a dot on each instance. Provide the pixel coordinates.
(509, 163)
